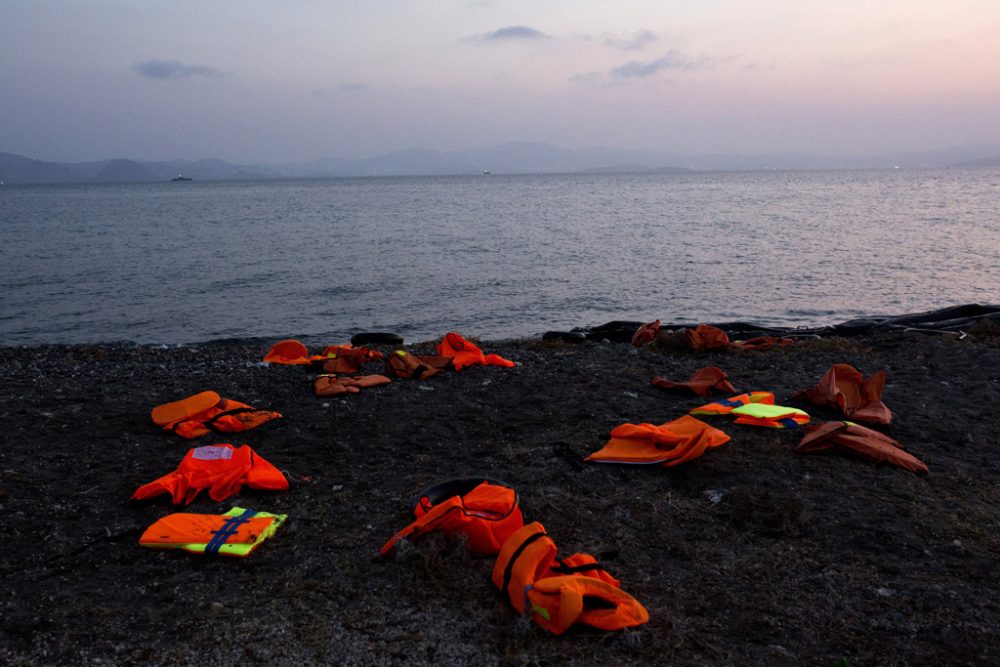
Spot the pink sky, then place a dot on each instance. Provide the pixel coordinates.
(268, 81)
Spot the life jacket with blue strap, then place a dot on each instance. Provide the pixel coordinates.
(237, 533)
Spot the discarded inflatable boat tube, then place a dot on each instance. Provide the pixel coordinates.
(376, 338)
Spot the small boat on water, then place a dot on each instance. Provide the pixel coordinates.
(180, 177)
(486, 172)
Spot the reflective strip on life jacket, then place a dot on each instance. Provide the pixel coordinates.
(528, 573)
(770, 416)
(487, 515)
(222, 469)
(238, 532)
(724, 406)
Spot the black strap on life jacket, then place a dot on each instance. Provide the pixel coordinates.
(508, 571)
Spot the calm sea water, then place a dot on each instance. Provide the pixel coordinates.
(491, 256)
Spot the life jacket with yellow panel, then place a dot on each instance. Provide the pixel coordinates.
(770, 416)
(724, 406)
(237, 533)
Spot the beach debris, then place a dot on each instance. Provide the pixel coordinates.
(484, 511)
(706, 337)
(376, 338)
(206, 411)
(558, 593)
(221, 469)
(403, 364)
(288, 353)
(237, 533)
(761, 343)
(770, 415)
(845, 388)
(329, 384)
(861, 440)
(714, 496)
(646, 334)
(724, 406)
(464, 353)
(345, 358)
(702, 383)
(669, 444)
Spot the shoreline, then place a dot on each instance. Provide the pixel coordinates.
(748, 554)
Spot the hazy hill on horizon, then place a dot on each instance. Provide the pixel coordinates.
(516, 157)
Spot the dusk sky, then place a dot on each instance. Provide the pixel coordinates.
(297, 80)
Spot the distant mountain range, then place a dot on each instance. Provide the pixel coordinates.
(509, 158)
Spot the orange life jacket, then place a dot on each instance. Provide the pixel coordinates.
(485, 513)
(464, 353)
(204, 412)
(331, 385)
(559, 593)
(864, 441)
(288, 353)
(707, 337)
(702, 383)
(402, 364)
(236, 533)
(844, 387)
(670, 444)
(345, 358)
(761, 343)
(646, 334)
(724, 406)
(770, 415)
(222, 469)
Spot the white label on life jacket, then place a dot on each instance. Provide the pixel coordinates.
(212, 453)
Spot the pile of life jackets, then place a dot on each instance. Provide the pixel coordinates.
(557, 593)
(706, 337)
(842, 387)
(341, 363)
(220, 469)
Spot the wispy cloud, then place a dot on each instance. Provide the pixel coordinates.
(643, 68)
(512, 33)
(174, 69)
(631, 42)
(639, 69)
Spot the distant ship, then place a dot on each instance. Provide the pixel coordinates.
(486, 172)
(178, 177)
